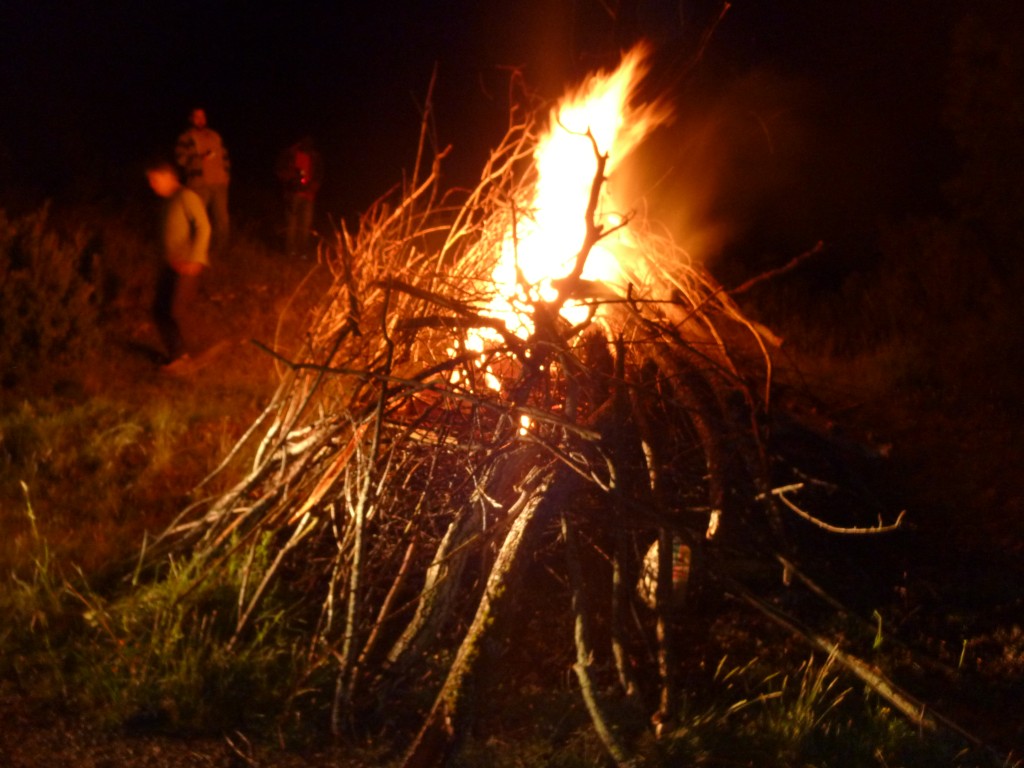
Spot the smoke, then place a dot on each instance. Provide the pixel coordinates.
(759, 166)
(732, 162)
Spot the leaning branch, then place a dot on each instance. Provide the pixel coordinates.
(780, 494)
(914, 710)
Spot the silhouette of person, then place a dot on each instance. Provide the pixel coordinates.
(206, 167)
(185, 237)
(300, 169)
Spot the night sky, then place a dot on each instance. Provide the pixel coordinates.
(813, 115)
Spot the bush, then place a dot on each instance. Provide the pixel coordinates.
(48, 299)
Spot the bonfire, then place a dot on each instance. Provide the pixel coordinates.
(527, 367)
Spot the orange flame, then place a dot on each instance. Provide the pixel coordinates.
(599, 117)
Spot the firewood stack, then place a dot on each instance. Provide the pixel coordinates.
(407, 478)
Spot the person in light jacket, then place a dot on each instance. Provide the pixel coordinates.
(185, 237)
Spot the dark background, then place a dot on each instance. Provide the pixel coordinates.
(803, 120)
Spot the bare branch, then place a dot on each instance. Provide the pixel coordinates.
(781, 492)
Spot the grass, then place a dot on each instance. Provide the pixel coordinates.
(102, 472)
(764, 712)
(96, 450)
(161, 658)
(99, 450)
(31, 600)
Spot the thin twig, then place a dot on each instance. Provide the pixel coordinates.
(780, 493)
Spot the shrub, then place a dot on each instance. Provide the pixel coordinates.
(48, 307)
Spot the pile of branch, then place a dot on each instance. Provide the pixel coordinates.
(405, 496)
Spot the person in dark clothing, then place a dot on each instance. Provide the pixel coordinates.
(300, 169)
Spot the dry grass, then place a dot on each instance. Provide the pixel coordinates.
(108, 446)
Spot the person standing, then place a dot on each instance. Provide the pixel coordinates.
(203, 159)
(185, 235)
(300, 169)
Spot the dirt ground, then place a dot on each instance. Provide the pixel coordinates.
(33, 735)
